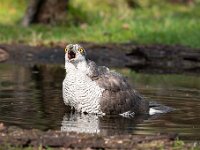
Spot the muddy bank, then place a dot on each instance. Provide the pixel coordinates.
(151, 59)
(17, 137)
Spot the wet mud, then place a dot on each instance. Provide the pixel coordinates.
(141, 58)
(16, 137)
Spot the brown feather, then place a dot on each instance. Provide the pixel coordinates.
(118, 96)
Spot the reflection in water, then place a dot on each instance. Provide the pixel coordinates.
(107, 125)
(80, 123)
(31, 97)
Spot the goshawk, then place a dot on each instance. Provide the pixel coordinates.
(95, 89)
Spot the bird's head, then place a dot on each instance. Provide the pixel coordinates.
(74, 53)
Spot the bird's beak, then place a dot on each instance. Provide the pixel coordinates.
(71, 55)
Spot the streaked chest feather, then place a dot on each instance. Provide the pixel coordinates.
(81, 92)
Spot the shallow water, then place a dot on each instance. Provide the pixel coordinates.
(31, 97)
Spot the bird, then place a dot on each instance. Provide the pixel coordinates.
(89, 88)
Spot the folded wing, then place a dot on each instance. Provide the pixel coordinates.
(118, 96)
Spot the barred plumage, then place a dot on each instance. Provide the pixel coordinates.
(80, 92)
(93, 89)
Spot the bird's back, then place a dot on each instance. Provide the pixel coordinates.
(118, 96)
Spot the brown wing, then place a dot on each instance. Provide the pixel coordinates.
(118, 96)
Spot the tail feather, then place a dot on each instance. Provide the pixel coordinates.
(155, 108)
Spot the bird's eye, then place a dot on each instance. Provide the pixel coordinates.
(81, 50)
(65, 49)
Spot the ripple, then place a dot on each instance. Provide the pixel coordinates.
(34, 100)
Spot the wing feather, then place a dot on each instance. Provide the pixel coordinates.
(118, 96)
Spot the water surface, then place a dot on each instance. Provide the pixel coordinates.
(31, 97)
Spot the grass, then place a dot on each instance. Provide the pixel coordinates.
(101, 21)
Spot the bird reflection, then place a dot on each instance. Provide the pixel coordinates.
(106, 125)
(81, 123)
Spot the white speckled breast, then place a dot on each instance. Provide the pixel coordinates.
(81, 92)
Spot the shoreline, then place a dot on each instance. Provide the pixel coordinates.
(17, 137)
(141, 58)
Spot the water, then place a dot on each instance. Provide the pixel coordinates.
(31, 97)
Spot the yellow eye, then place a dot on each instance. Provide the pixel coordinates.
(66, 49)
(81, 50)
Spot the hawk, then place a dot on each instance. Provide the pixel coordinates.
(96, 89)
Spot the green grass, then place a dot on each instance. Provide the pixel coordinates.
(102, 21)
